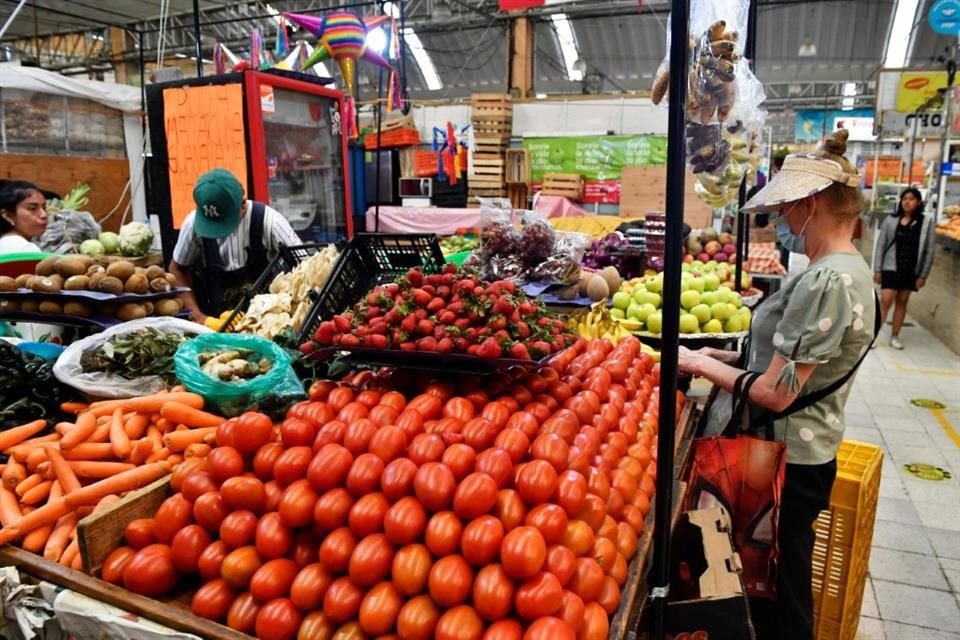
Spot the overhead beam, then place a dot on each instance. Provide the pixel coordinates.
(520, 41)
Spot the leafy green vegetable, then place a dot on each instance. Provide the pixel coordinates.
(147, 352)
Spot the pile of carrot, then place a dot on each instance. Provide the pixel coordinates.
(51, 481)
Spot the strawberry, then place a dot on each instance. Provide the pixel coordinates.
(447, 317)
(429, 288)
(504, 305)
(421, 297)
(427, 344)
(447, 279)
(415, 277)
(342, 323)
(361, 331)
(502, 335)
(462, 345)
(378, 326)
(349, 340)
(515, 317)
(444, 345)
(450, 268)
(464, 287)
(443, 291)
(497, 323)
(325, 332)
(545, 322)
(436, 304)
(541, 348)
(409, 324)
(523, 330)
(473, 349)
(479, 291)
(374, 312)
(558, 344)
(391, 290)
(456, 306)
(376, 341)
(434, 279)
(440, 332)
(307, 348)
(490, 348)
(408, 346)
(526, 308)
(461, 323)
(392, 317)
(425, 327)
(519, 351)
(421, 314)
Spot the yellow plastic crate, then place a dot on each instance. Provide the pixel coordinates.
(841, 552)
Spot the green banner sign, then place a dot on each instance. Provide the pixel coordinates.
(594, 157)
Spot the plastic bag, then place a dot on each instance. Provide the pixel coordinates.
(537, 240)
(66, 231)
(105, 385)
(497, 233)
(271, 392)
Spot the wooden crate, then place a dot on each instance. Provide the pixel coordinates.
(518, 166)
(566, 185)
(487, 172)
(519, 195)
(490, 144)
(492, 117)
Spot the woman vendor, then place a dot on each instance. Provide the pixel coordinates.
(23, 216)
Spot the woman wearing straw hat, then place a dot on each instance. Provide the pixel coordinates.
(806, 342)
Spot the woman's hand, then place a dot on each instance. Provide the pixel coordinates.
(729, 357)
(920, 282)
(876, 277)
(688, 360)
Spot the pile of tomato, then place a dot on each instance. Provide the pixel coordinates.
(508, 508)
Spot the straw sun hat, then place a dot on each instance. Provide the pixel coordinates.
(806, 174)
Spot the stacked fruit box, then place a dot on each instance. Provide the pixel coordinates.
(492, 123)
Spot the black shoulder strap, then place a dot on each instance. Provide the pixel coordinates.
(740, 399)
(210, 252)
(257, 252)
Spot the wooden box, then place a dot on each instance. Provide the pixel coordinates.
(519, 195)
(518, 166)
(496, 144)
(644, 189)
(566, 185)
(492, 116)
(487, 171)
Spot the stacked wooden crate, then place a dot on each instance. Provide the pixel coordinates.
(518, 177)
(492, 124)
(567, 185)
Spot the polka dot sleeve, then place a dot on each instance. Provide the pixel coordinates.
(814, 323)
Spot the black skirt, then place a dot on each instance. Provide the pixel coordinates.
(898, 281)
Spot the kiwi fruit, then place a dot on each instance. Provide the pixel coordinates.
(77, 283)
(171, 279)
(94, 269)
(167, 307)
(148, 307)
(67, 267)
(159, 285)
(110, 284)
(77, 309)
(95, 280)
(51, 306)
(45, 285)
(58, 280)
(86, 261)
(47, 266)
(8, 305)
(131, 311)
(29, 306)
(140, 270)
(23, 281)
(137, 283)
(121, 269)
(154, 272)
(9, 284)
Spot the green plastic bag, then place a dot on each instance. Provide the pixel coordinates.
(272, 392)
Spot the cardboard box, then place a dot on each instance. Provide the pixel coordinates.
(707, 598)
(644, 189)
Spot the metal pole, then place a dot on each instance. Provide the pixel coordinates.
(743, 220)
(198, 50)
(13, 16)
(670, 339)
(378, 158)
(913, 148)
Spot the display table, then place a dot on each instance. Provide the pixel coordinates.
(443, 221)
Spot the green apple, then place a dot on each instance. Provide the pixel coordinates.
(638, 293)
(655, 284)
(720, 310)
(735, 300)
(655, 322)
(710, 266)
(697, 284)
(696, 264)
(731, 310)
(633, 311)
(711, 282)
(685, 267)
(648, 297)
(646, 310)
(709, 298)
(713, 326)
(621, 300)
(618, 314)
(688, 323)
(702, 312)
(689, 299)
(733, 325)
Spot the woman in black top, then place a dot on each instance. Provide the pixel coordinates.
(902, 258)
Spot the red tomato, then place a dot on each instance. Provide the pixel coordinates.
(609, 596)
(197, 484)
(369, 398)
(626, 540)
(139, 533)
(239, 566)
(553, 449)
(561, 562)
(265, 459)
(213, 600)
(411, 422)
(243, 493)
(504, 630)
(295, 432)
(187, 546)
(367, 514)
(174, 514)
(388, 443)
(291, 466)
(523, 552)
(619, 570)
(497, 464)
(151, 572)
(405, 521)
(596, 623)
(608, 529)
(587, 580)
(459, 623)
(514, 442)
(332, 509)
(336, 549)
(539, 596)
(549, 628)
(493, 593)
(426, 447)
(273, 537)
(475, 496)
(309, 586)
(571, 492)
(209, 511)
(598, 484)
(460, 459)
(537, 482)
(393, 399)
(316, 413)
(297, 504)
(571, 610)
(364, 475)
(594, 510)
(330, 433)
(371, 559)
(211, 560)
(450, 580)
(383, 415)
(410, 569)
(320, 390)
(185, 468)
(316, 626)
(510, 509)
(497, 413)
(481, 540)
(329, 467)
(430, 407)
(340, 397)
(479, 433)
(396, 481)
(273, 579)
(225, 462)
(358, 435)
(278, 620)
(305, 547)
(459, 408)
(417, 619)
(242, 615)
(224, 434)
(578, 537)
(379, 609)
(342, 600)
(114, 564)
(605, 553)
(434, 486)
(443, 534)
(550, 520)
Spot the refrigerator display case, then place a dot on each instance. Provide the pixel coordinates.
(281, 133)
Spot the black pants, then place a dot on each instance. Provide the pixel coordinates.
(806, 492)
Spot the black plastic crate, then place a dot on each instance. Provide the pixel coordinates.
(368, 260)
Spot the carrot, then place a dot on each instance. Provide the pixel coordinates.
(154, 435)
(13, 474)
(36, 457)
(164, 425)
(59, 537)
(102, 432)
(175, 459)
(180, 413)
(9, 507)
(106, 501)
(146, 404)
(36, 540)
(141, 451)
(90, 451)
(31, 481)
(177, 389)
(97, 469)
(183, 427)
(65, 475)
(155, 418)
(37, 494)
(118, 436)
(86, 425)
(71, 552)
(77, 564)
(180, 440)
(122, 482)
(159, 454)
(211, 439)
(197, 450)
(39, 440)
(136, 425)
(73, 407)
(16, 435)
(63, 428)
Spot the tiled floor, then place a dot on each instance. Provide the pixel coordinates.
(914, 584)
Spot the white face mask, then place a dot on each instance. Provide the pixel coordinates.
(789, 240)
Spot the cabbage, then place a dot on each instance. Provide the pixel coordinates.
(91, 248)
(135, 239)
(110, 241)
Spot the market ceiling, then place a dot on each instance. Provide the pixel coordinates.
(619, 43)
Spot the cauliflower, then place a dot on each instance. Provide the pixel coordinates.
(135, 239)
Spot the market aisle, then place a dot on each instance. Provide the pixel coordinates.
(914, 582)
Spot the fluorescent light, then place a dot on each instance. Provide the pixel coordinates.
(808, 48)
(849, 95)
(568, 45)
(391, 9)
(427, 70)
(541, 96)
(377, 40)
(895, 54)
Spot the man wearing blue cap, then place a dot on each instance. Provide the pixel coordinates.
(224, 244)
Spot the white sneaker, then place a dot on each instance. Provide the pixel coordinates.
(896, 344)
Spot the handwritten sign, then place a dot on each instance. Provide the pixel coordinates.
(205, 130)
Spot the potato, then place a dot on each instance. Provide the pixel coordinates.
(159, 285)
(9, 284)
(51, 306)
(58, 280)
(121, 269)
(131, 311)
(78, 309)
(77, 283)
(67, 267)
(154, 272)
(94, 269)
(45, 285)
(167, 307)
(95, 280)
(148, 307)
(23, 281)
(46, 266)
(137, 283)
(110, 284)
